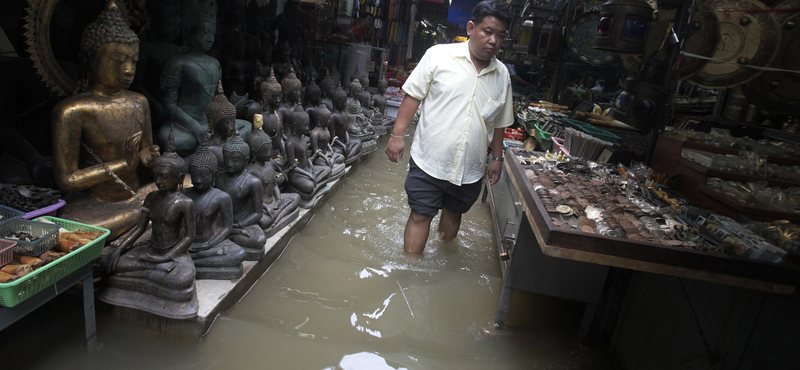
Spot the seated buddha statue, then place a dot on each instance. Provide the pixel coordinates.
(247, 194)
(156, 275)
(305, 178)
(342, 143)
(189, 82)
(102, 137)
(214, 255)
(320, 134)
(279, 208)
(271, 96)
(292, 89)
(328, 87)
(358, 124)
(378, 102)
(221, 116)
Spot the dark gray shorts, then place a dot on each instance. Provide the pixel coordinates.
(427, 195)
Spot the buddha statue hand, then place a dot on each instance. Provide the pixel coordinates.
(132, 149)
(200, 133)
(149, 155)
(239, 230)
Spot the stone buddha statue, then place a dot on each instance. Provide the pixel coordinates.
(247, 193)
(292, 90)
(189, 80)
(342, 142)
(328, 88)
(214, 255)
(352, 96)
(156, 275)
(358, 124)
(320, 134)
(282, 60)
(305, 178)
(279, 208)
(378, 102)
(221, 116)
(102, 136)
(271, 96)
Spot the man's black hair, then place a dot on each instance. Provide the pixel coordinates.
(494, 8)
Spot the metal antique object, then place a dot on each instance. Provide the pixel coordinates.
(37, 34)
(642, 99)
(746, 39)
(785, 85)
(623, 26)
(701, 41)
(580, 39)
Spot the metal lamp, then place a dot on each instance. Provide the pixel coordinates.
(623, 26)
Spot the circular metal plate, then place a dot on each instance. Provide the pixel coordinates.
(580, 39)
(702, 41)
(745, 38)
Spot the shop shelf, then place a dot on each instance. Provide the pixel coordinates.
(17, 291)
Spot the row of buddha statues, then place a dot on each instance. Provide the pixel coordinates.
(252, 164)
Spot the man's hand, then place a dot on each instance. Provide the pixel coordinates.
(495, 168)
(395, 148)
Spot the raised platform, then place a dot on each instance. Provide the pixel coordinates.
(216, 296)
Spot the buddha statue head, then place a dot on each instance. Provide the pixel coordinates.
(382, 85)
(327, 85)
(301, 122)
(363, 97)
(336, 77)
(168, 168)
(313, 93)
(292, 87)
(199, 21)
(221, 114)
(355, 88)
(339, 99)
(259, 142)
(110, 50)
(271, 91)
(203, 167)
(235, 154)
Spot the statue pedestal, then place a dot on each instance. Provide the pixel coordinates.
(307, 204)
(286, 220)
(216, 296)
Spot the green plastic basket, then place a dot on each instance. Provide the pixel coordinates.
(11, 294)
(543, 137)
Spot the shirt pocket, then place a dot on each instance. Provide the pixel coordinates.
(490, 109)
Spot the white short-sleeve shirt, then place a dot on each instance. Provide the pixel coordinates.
(460, 108)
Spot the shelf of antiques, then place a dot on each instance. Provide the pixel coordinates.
(601, 214)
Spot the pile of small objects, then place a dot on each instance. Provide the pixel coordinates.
(27, 198)
(20, 235)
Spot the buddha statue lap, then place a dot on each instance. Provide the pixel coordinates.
(342, 143)
(271, 95)
(305, 178)
(214, 255)
(247, 193)
(102, 135)
(320, 134)
(156, 275)
(189, 82)
(279, 208)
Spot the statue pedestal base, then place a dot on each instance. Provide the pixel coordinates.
(286, 220)
(216, 296)
(307, 204)
(381, 130)
(151, 304)
(219, 273)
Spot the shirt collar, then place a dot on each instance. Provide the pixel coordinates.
(463, 52)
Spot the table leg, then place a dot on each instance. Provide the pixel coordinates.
(88, 309)
(502, 309)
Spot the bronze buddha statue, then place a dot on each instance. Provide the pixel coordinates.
(101, 135)
(247, 193)
(343, 143)
(279, 208)
(156, 275)
(320, 134)
(271, 96)
(305, 178)
(221, 116)
(214, 255)
(291, 88)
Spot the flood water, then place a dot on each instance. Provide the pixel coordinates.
(333, 300)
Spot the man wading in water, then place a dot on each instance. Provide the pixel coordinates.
(464, 95)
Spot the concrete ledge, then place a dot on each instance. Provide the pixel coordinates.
(216, 296)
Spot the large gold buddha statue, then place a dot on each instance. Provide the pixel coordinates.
(100, 136)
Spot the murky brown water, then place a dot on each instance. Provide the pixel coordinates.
(333, 301)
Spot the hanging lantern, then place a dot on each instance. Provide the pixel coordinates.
(642, 99)
(623, 26)
(547, 47)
